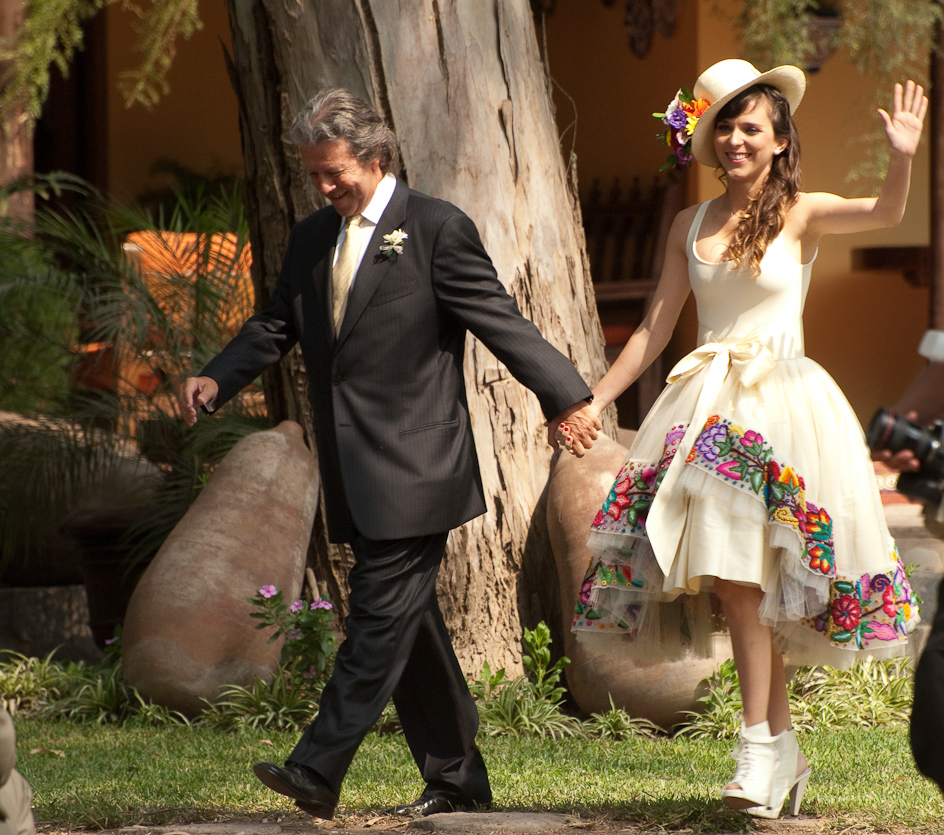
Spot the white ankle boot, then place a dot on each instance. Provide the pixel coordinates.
(787, 781)
(757, 768)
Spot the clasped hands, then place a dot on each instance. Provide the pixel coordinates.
(575, 429)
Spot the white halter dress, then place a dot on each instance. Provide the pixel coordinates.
(752, 467)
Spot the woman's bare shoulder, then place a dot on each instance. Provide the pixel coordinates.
(687, 215)
(683, 221)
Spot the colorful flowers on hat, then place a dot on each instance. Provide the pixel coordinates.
(680, 117)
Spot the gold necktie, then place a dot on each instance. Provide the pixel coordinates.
(343, 272)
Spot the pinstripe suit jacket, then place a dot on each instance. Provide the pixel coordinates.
(395, 445)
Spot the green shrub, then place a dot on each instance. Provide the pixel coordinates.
(26, 684)
(308, 630)
(867, 694)
(279, 704)
(616, 724)
(520, 707)
(719, 715)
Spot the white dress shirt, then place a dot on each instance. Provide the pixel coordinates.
(371, 217)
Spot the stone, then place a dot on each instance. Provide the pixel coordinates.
(489, 822)
(38, 620)
(660, 691)
(188, 631)
(229, 828)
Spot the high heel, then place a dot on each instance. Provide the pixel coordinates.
(786, 781)
(797, 790)
(757, 769)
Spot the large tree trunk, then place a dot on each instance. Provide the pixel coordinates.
(462, 84)
(16, 145)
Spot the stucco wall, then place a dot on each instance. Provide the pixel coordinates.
(195, 125)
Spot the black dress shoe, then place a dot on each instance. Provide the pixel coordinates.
(426, 805)
(300, 783)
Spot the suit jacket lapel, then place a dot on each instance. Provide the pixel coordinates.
(321, 278)
(375, 264)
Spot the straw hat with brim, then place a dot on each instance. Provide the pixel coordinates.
(721, 82)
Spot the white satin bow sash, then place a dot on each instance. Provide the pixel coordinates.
(752, 361)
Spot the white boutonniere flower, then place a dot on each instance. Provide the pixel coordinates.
(394, 243)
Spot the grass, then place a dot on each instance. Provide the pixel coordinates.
(100, 757)
(90, 776)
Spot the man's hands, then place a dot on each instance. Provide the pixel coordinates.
(193, 393)
(575, 429)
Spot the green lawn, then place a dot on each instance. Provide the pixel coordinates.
(90, 776)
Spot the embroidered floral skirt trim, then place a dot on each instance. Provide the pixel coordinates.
(745, 515)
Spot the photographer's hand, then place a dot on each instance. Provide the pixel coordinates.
(904, 461)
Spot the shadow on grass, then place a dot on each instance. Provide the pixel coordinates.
(688, 814)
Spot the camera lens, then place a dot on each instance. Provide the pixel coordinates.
(879, 429)
(894, 433)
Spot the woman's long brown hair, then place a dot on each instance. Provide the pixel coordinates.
(766, 212)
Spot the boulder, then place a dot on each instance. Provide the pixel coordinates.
(188, 631)
(658, 691)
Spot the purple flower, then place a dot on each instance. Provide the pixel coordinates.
(294, 635)
(268, 591)
(297, 606)
(674, 435)
(110, 641)
(709, 440)
(321, 604)
(311, 672)
(677, 119)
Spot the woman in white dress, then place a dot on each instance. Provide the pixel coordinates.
(750, 476)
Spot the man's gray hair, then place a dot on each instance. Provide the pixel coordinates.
(335, 114)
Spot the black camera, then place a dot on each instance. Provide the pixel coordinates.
(895, 433)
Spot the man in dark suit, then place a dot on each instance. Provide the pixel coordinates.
(379, 289)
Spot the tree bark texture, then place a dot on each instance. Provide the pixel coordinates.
(16, 143)
(462, 84)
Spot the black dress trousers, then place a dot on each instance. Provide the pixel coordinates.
(397, 646)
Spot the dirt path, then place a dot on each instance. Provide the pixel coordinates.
(488, 823)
